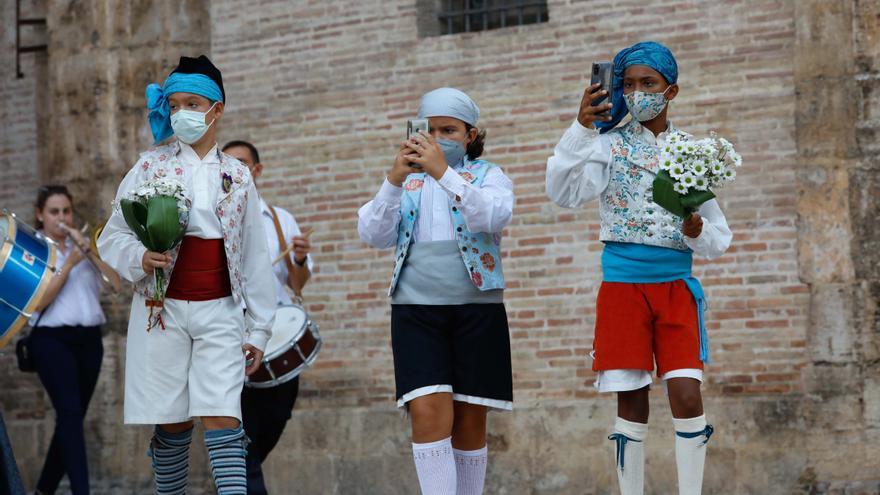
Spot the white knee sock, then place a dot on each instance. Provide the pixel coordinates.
(691, 436)
(471, 468)
(630, 455)
(435, 466)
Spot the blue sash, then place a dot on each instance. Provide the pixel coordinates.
(643, 264)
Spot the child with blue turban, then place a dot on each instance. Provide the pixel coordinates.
(444, 208)
(649, 307)
(191, 363)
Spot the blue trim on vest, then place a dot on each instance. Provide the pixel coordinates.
(643, 264)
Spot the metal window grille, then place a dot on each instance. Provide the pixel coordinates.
(465, 16)
(21, 22)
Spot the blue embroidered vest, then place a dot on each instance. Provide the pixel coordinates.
(480, 251)
(626, 208)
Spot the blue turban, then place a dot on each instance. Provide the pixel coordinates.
(449, 102)
(157, 99)
(650, 53)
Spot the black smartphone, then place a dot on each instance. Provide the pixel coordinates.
(413, 127)
(603, 73)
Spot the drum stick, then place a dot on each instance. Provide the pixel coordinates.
(289, 248)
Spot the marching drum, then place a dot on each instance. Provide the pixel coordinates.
(294, 345)
(27, 261)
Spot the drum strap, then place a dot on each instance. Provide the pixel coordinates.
(282, 243)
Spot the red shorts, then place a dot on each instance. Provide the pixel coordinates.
(637, 324)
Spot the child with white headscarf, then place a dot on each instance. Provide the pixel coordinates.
(443, 209)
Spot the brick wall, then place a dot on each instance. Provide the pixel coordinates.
(324, 89)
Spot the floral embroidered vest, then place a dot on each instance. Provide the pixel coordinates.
(480, 251)
(626, 208)
(162, 161)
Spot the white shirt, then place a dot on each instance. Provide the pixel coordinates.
(579, 171)
(202, 177)
(289, 228)
(78, 301)
(487, 208)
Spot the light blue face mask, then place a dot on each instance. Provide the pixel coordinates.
(452, 150)
(189, 126)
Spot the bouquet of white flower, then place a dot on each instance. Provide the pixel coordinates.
(689, 167)
(157, 212)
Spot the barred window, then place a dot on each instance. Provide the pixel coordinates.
(439, 17)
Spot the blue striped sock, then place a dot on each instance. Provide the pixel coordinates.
(170, 453)
(226, 450)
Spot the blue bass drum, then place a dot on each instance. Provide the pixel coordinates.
(27, 263)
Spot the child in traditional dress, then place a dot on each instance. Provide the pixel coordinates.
(650, 307)
(444, 210)
(185, 357)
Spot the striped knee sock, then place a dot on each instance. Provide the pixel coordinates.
(170, 453)
(226, 450)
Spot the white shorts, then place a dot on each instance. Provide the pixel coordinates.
(626, 380)
(192, 368)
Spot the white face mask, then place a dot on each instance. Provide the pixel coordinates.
(189, 126)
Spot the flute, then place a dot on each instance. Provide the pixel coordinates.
(92, 257)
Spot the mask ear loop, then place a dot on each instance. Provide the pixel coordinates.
(215, 118)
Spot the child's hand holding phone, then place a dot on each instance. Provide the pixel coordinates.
(596, 102)
(401, 168)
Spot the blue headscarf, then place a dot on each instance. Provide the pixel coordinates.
(449, 102)
(157, 99)
(650, 53)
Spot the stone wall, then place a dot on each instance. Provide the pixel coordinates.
(324, 89)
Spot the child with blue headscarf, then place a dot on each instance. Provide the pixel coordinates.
(649, 307)
(444, 208)
(190, 361)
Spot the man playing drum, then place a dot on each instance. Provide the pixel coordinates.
(265, 411)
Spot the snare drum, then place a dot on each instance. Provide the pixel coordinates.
(294, 345)
(27, 261)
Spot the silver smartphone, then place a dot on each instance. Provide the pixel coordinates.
(413, 127)
(603, 73)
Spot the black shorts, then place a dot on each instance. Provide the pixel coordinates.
(460, 349)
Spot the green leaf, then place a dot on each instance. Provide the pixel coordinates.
(135, 215)
(163, 222)
(665, 196)
(692, 200)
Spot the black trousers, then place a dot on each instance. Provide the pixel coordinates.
(265, 412)
(68, 361)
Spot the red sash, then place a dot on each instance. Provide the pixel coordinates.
(201, 273)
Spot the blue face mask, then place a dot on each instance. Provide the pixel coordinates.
(452, 150)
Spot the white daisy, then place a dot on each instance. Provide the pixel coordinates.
(688, 179)
(680, 188)
(701, 184)
(677, 170)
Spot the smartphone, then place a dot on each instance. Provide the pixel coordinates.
(603, 73)
(413, 127)
(416, 125)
